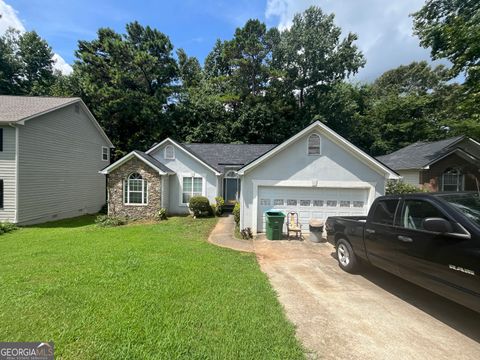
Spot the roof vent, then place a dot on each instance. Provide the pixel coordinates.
(77, 108)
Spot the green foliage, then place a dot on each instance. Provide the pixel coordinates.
(236, 214)
(163, 274)
(218, 207)
(200, 206)
(6, 227)
(26, 64)
(109, 221)
(127, 80)
(399, 187)
(161, 214)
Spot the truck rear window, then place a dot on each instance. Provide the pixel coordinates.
(385, 211)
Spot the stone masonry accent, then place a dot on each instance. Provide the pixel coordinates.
(116, 206)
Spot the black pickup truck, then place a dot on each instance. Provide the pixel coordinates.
(432, 240)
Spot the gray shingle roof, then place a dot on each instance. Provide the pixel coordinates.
(153, 161)
(419, 154)
(220, 155)
(17, 108)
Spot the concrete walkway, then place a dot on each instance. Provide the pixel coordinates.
(222, 235)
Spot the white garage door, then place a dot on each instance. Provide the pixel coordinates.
(318, 203)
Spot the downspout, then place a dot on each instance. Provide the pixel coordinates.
(13, 125)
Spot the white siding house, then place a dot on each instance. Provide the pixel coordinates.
(316, 173)
(54, 148)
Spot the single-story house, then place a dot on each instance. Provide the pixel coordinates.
(51, 150)
(316, 173)
(446, 165)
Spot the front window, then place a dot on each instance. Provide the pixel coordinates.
(135, 190)
(468, 204)
(192, 186)
(452, 180)
(416, 211)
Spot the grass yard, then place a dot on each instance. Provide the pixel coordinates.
(138, 291)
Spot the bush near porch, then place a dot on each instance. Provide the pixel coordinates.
(138, 291)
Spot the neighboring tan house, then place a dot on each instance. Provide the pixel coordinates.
(447, 165)
(51, 150)
(316, 173)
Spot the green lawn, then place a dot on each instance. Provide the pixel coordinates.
(138, 291)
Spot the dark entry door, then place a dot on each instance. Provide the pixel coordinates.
(231, 189)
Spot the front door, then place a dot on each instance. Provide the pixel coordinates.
(231, 187)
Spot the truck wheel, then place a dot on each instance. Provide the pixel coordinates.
(346, 257)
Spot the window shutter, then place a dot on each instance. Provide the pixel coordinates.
(1, 139)
(1, 194)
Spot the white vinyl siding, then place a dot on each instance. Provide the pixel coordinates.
(58, 167)
(411, 177)
(8, 174)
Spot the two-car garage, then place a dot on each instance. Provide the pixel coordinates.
(311, 202)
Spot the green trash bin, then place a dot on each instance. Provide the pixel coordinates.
(274, 223)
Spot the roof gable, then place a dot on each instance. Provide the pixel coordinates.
(147, 159)
(420, 154)
(18, 109)
(333, 136)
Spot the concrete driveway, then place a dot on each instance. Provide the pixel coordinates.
(373, 315)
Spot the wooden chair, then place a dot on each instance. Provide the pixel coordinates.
(293, 225)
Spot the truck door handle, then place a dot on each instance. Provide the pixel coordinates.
(404, 238)
(370, 231)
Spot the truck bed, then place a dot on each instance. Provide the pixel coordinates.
(353, 227)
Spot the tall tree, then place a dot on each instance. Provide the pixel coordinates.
(26, 64)
(313, 55)
(128, 81)
(451, 29)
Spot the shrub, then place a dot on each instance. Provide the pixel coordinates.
(218, 207)
(109, 221)
(246, 233)
(236, 213)
(394, 187)
(161, 214)
(200, 206)
(6, 227)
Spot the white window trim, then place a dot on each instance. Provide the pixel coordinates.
(144, 184)
(190, 175)
(319, 145)
(108, 153)
(165, 152)
(460, 180)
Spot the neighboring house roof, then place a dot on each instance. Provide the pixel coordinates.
(220, 155)
(420, 154)
(18, 109)
(325, 130)
(147, 159)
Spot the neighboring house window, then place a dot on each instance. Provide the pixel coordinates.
(1, 139)
(1, 194)
(135, 190)
(314, 144)
(452, 180)
(191, 186)
(169, 152)
(105, 153)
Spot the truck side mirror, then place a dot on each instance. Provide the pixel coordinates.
(438, 225)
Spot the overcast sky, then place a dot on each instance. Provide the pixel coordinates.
(384, 27)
